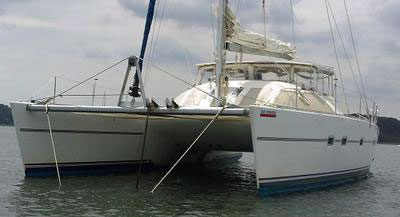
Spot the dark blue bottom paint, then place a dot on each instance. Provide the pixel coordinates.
(102, 168)
(267, 189)
(99, 169)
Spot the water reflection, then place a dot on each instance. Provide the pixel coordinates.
(195, 191)
(198, 190)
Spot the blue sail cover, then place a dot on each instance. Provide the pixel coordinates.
(149, 20)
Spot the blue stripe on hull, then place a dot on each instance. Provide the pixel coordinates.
(97, 169)
(282, 187)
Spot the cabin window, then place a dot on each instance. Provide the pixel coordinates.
(251, 97)
(344, 140)
(331, 140)
(362, 141)
(194, 97)
(305, 101)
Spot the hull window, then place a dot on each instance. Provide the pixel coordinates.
(305, 100)
(344, 140)
(251, 97)
(331, 140)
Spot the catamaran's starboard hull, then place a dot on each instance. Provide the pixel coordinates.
(297, 150)
(91, 141)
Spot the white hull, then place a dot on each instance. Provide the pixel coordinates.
(115, 138)
(290, 147)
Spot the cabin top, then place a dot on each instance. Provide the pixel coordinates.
(252, 92)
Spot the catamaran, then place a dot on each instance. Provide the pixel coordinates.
(284, 111)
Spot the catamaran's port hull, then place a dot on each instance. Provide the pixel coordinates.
(105, 139)
(291, 147)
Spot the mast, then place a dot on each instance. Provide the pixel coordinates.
(220, 78)
(134, 89)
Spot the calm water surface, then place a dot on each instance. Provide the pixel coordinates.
(196, 191)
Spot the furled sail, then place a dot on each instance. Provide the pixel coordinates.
(245, 41)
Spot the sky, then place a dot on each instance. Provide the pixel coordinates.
(73, 39)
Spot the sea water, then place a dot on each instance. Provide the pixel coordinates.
(228, 190)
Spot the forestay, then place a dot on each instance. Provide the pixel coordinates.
(245, 41)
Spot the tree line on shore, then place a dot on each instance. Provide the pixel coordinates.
(6, 116)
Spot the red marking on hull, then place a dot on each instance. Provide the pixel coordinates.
(268, 115)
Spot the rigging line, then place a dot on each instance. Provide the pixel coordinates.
(293, 32)
(182, 80)
(185, 50)
(344, 47)
(188, 64)
(238, 7)
(265, 23)
(286, 106)
(354, 105)
(143, 149)
(157, 35)
(355, 54)
(153, 27)
(42, 87)
(187, 150)
(212, 24)
(63, 78)
(71, 80)
(276, 63)
(87, 79)
(336, 55)
(265, 53)
(356, 93)
(52, 144)
(84, 95)
(271, 58)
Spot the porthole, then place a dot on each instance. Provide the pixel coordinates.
(344, 140)
(331, 140)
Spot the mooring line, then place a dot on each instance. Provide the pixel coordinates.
(143, 147)
(187, 150)
(52, 143)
